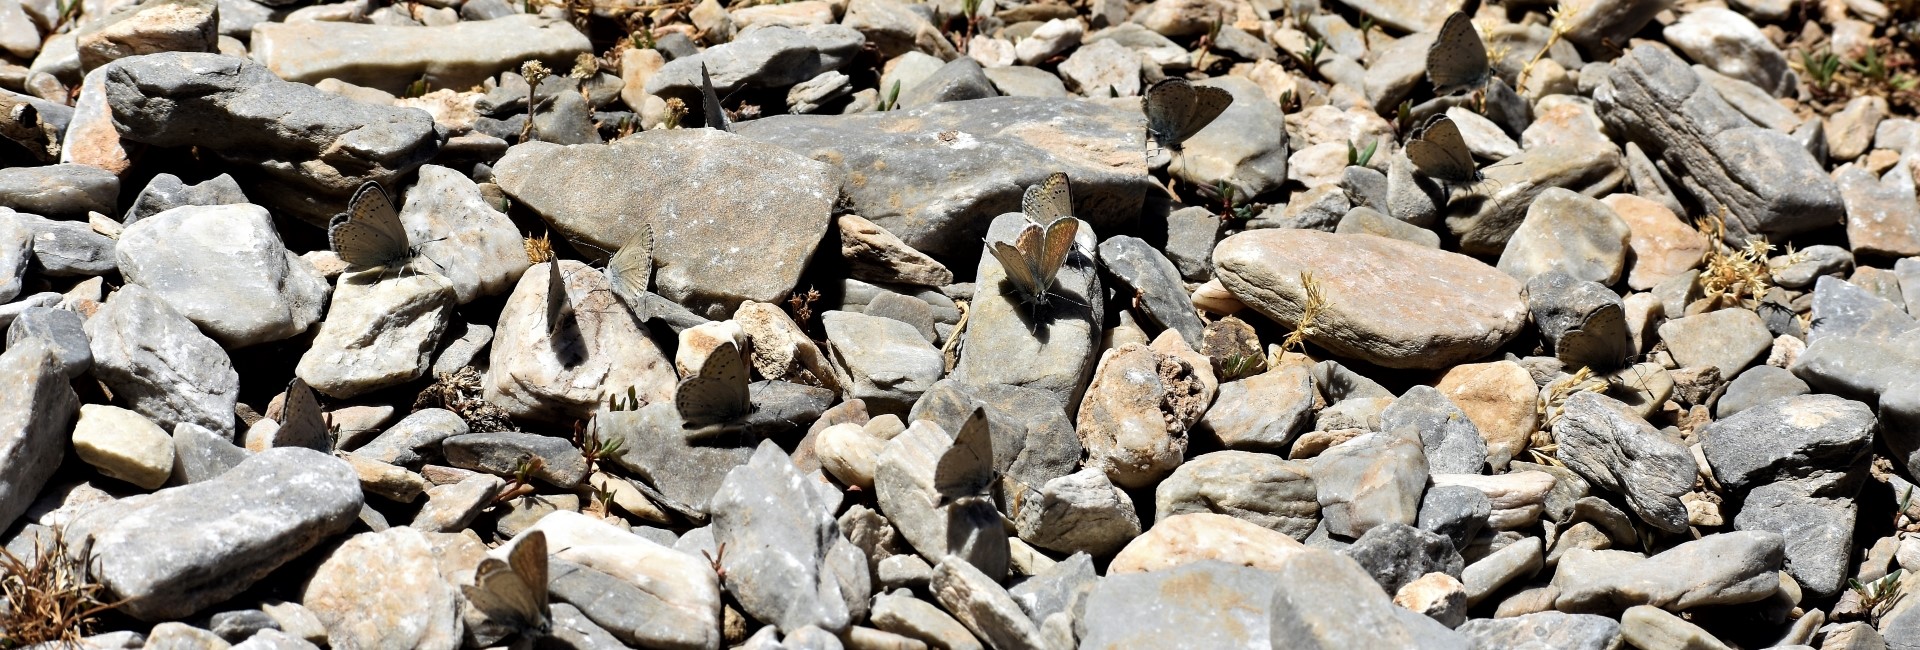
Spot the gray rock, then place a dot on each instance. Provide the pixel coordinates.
(959, 80)
(64, 332)
(1568, 232)
(501, 453)
(1263, 412)
(16, 253)
(275, 640)
(387, 57)
(1764, 182)
(1515, 561)
(1368, 481)
(1102, 68)
(901, 613)
(1731, 44)
(1081, 512)
(1246, 146)
(941, 192)
(1605, 444)
(792, 567)
(1369, 221)
(1163, 297)
(1484, 222)
(415, 438)
(460, 346)
(1060, 589)
(65, 190)
(1728, 339)
(452, 508)
(538, 372)
(1811, 263)
(968, 529)
(1572, 315)
(906, 309)
(1453, 444)
(240, 112)
(884, 362)
(895, 28)
(1033, 441)
(1404, 16)
(1721, 569)
(654, 449)
(701, 259)
(1843, 309)
(769, 57)
(979, 603)
(1397, 554)
(1651, 627)
(1204, 604)
(1858, 367)
(1541, 630)
(66, 248)
(1815, 516)
(1456, 310)
(166, 192)
(1457, 511)
(1325, 600)
(1788, 438)
(225, 269)
(571, 627)
(466, 238)
(159, 364)
(35, 417)
(1023, 81)
(1757, 386)
(1320, 208)
(173, 552)
(200, 455)
(1048, 347)
(380, 332)
(1265, 489)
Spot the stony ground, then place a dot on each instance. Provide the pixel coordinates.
(1646, 378)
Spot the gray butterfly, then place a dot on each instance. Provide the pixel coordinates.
(513, 593)
(1441, 154)
(630, 270)
(1048, 201)
(718, 392)
(559, 306)
(716, 117)
(1457, 60)
(1177, 109)
(369, 234)
(301, 424)
(966, 469)
(1033, 260)
(1601, 342)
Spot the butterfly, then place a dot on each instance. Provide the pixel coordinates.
(1048, 201)
(301, 424)
(559, 307)
(369, 234)
(1601, 342)
(1033, 260)
(718, 392)
(1441, 154)
(630, 270)
(513, 592)
(716, 118)
(1457, 60)
(966, 469)
(1177, 109)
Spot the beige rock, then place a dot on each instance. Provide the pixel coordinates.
(1663, 245)
(1135, 415)
(781, 350)
(151, 28)
(875, 255)
(636, 68)
(791, 14)
(1518, 498)
(386, 590)
(395, 483)
(379, 332)
(1437, 595)
(531, 377)
(1651, 628)
(123, 444)
(1499, 398)
(1182, 539)
(849, 454)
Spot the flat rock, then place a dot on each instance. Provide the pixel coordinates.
(884, 362)
(224, 268)
(1388, 302)
(1721, 569)
(66, 190)
(1728, 339)
(1050, 347)
(1274, 493)
(1485, 220)
(33, 424)
(1264, 412)
(672, 600)
(380, 332)
(389, 57)
(769, 57)
(1544, 630)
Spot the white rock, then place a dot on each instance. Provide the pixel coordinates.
(124, 445)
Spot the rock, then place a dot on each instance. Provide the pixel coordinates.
(1134, 419)
(1547, 629)
(1731, 44)
(541, 373)
(158, 362)
(1081, 512)
(562, 465)
(1245, 146)
(1512, 562)
(1010, 343)
(907, 616)
(1457, 511)
(200, 455)
(1881, 215)
(414, 438)
(1262, 412)
(386, 590)
(1102, 68)
(1569, 232)
(1662, 245)
(1274, 493)
(1324, 600)
(1756, 386)
(1485, 223)
(769, 57)
(1500, 399)
(33, 424)
(1787, 438)
(166, 192)
(1625, 455)
(225, 269)
(1022, 81)
(982, 606)
(1362, 318)
(1154, 278)
(1397, 554)
(1764, 181)
(66, 190)
(893, 28)
(959, 80)
(123, 445)
(1370, 480)
(655, 449)
(380, 332)
(66, 248)
(1453, 445)
(669, 599)
(941, 192)
(708, 263)
(466, 239)
(63, 331)
(969, 529)
(1801, 271)
(787, 579)
(1651, 627)
(1720, 569)
(883, 362)
(173, 552)
(389, 58)
(1516, 499)
(240, 112)
(875, 255)
(1363, 220)
(16, 252)
(1203, 604)
(1851, 131)
(1728, 339)
(1033, 440)
(1405, 17)
(169, 26)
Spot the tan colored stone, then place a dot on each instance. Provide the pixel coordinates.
(1499, 398)
(123, 444)
(1663, 245)
(1182, 539)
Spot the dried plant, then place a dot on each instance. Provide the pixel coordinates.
(535, 72)
(1560, 390)
(49, 599)
(1310, 310)
(539, 249)
(950, 351)
(1562, 22)
(1733, 276)
(676, 111)
(459, 392)
(1878, 597)
(801, 304)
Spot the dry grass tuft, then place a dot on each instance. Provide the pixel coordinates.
(1733, 277)
(539, 249)
(1316, 302)
(49, 599)
(459, 392)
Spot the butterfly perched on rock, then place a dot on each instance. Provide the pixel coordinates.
(1457, 60)
(513, 593)
(301, 423)
(966, 469)
(369, 234)
(717, 393)
(1440, 153)
(1601, 342)
(1176, 109)
(1033, 260)
(710, 103)
(559, 305)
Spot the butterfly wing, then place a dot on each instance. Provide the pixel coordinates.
(1014, 259)
(710, 100)
(507, 598)
(1049, 200)
(301, 422)
(369, 233)
(1602, 341)
(558, 305)
(630, 270)
(1441, 154)
(718, 392)
(1054, 248)
(1458, 58)
(966, 468)
(1168, 103)
(528, 559)
(1208, 104)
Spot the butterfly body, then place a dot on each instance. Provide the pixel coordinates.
(1457, 60)
(1177, 109)
(513, 592)
(718, 393)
